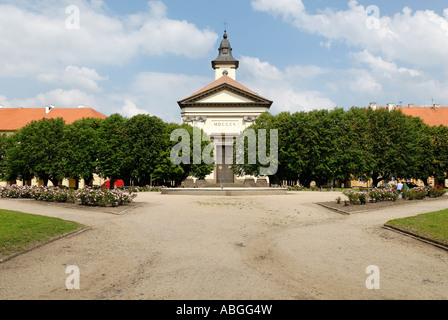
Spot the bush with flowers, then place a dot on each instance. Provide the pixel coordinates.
(374, 195)
(435, 191)
(383, 194)
(104, 197)
(86, 196)
(53, 194)
(417, 193)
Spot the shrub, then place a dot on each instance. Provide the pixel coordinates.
(87, 196)
(436, 191)
(356, 197)
(416, 193)
(114, 197)
(383, 194)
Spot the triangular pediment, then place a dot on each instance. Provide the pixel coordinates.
(225, 96)
(225, 91)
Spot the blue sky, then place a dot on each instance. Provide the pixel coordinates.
(143, 56)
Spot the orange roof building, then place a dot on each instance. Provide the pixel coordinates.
(433, 116)
(12, 119)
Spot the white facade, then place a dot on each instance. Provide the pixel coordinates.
(223, 69)
(223, 109)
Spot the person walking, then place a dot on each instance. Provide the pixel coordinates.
(400, 187)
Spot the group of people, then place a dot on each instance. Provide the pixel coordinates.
(401, 187)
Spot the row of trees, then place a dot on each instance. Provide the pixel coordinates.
(135, 149)
(320, 146)
(328, 145)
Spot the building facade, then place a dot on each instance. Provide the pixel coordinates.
(223, 109)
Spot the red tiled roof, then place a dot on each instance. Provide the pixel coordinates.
(433, 116)
(12, 119)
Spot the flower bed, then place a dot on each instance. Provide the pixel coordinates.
(383, 194)
(415, 193)
(115, 197)
(422, 192)
(86, 196)
(374, 195)
(390, 194)
(436, 191)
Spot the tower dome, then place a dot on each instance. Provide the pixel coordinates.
(225, 63)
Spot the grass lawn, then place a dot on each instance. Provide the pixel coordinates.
(433, 225)
(20, 231)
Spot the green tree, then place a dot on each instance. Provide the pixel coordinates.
(395, 145)
(352, 146)
(440, 153)
(167, 171)
(145, 144)
(37, 151)
(17, 166)
(81, 149)
(5, 144)
(114, 158)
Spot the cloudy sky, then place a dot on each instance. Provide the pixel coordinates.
(143, 56)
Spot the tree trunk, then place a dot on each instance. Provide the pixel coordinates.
(375, 180)
(54, 181)
(87, 180)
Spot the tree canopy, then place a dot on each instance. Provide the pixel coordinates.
(319, 145)
(328, 145)
(135, 149)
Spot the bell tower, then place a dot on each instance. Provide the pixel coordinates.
(225, 64)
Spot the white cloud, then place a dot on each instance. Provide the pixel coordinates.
(34, 38)
(380, 66)
(158, 10)
(287, 88)
(59, 98)
(419, 38)
(157, 94)
(78, 78)
(294, 100)
(404, 59)
(361, 82)
(129, 109)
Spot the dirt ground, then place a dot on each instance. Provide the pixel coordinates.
(209, 247)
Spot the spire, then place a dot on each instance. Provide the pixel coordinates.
(225, 59)
(225, 54)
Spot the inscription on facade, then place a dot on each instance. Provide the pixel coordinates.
(225, 124)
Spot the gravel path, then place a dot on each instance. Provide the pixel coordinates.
(209, 247)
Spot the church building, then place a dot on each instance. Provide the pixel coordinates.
(224, 109)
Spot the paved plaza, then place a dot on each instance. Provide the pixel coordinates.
(217, 247)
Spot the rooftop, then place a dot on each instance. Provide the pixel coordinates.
(220, 82)
(433, 116)
(12, 119)
(225, 54)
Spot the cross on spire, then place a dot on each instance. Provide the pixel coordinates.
(225, 25)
